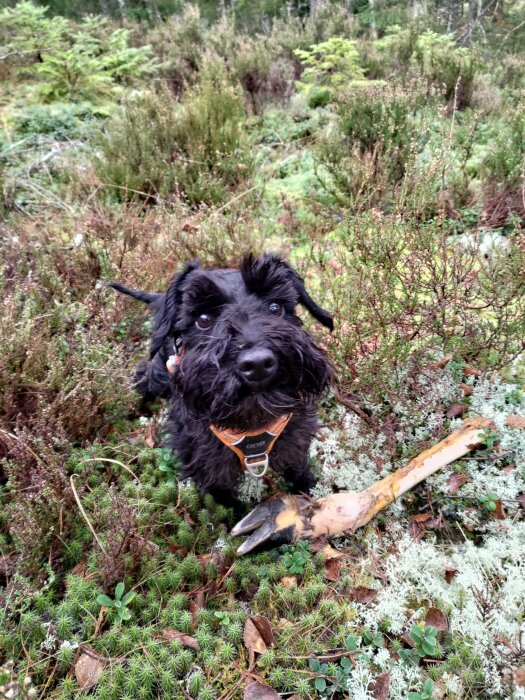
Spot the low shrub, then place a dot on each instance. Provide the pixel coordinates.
(436, 58)
(504, 161)
(195, 150)
(179, 44)
(446, 66)
(366, 150)
(406, 293)
(265, 78)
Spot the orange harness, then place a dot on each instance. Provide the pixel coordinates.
(252, 447)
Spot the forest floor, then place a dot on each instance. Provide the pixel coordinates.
(390, 173)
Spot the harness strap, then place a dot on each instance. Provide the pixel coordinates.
(174, 360)
(253, 447)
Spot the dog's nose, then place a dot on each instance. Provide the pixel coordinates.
(257, 364)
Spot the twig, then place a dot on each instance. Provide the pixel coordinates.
(22, 53)
(79, 504)
(353, 407)
(113, 461)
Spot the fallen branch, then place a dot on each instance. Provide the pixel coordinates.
(286, 518)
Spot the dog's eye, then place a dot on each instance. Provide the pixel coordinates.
(275, 309)
(204, 321)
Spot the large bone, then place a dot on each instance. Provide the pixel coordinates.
(286, 518)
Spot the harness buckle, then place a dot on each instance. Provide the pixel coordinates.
(253, 462)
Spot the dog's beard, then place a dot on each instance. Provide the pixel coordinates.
(212, 388)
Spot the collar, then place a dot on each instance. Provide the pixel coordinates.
(253, 447)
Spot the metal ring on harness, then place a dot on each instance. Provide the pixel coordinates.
(252, 465)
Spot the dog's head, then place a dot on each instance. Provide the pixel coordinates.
(246, 358)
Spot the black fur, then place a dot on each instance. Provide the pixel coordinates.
(210, 386)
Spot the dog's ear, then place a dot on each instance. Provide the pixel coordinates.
(306, 300)
(269, 270)
(165, 317)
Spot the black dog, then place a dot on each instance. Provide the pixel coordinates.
(245, 375)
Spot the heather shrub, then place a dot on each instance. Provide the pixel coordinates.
(40, 501)
(434, 57)
(444, 65)
(390, 55)
(265, 77)
(52, 369)
(195, 150)
(406, 293)
(505, 157)
(366, 150)
(178, 45)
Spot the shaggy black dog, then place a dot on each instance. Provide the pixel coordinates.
(240, 360)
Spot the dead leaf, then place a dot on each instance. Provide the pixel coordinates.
(174, 548)
(171, 635)
(441, 363)
(466, 389)
(381, 686)
(509, 469)
(516, 422)
(435, 618)
(519, 677)
(88, 669)
(408, 640)
(449, 574)
(258, 691)
(521, 501)
(257, 636)
(100, 621)
(265, 629)
(333, 568)
(151, 434)
(416, 530)
(329, 552)
(499, 513)
(283, 622)
(363, 595)
(421, 517)
(456, 410)
(187, 518)
(455, 482)
(289, 581)
(253, 640)
(469, 371)
(435, 523)
(196, 604)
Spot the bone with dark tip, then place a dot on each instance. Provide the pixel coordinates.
(288, 519)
